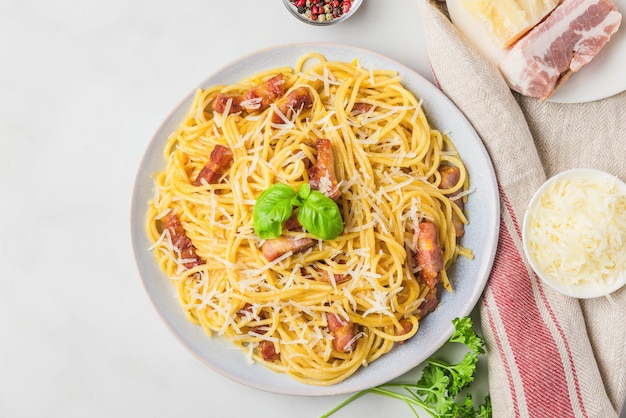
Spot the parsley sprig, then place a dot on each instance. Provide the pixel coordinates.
(438, 388)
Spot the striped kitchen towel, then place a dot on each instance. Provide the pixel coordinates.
(549, 355)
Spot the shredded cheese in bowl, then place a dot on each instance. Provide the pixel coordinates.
(574, 233)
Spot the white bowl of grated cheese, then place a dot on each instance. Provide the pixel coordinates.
(574, 233)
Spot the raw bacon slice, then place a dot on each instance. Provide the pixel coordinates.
(564, 42)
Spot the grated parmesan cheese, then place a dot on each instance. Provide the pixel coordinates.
(253, 104)
(575, 229)
(325, 185)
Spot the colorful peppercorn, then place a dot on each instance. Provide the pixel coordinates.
(322, 10)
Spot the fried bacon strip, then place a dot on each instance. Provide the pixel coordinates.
(246, 310)
(219, 160)
(268, 351)
(181, 242)
(360, 108)
(293, 224)
(343, 333)
(325, 275)
(338, 278)
(431, 301)
(296, 100)
(258, 98)
(429, 255)
(407, 326)
(275, 247)
(322, 175)
(450, 176)
(220, 103)
(266, 93)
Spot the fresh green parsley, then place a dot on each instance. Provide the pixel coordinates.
(437, 390)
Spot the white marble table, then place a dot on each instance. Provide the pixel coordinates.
(83, 86)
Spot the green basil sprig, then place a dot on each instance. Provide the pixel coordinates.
(317, 213)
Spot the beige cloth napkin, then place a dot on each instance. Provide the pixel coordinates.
(549, 355)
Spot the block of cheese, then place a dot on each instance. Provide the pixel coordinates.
(507, 20)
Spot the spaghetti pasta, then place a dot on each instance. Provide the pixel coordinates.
(387, 160)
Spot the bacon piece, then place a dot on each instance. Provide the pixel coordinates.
(181, 242)
(431, 301)
(338, 278)
(429, 254)
(246, 310)
(219, 160)
(296, 100)
(258, 98)
(275, 247)
(266, 93)
(565, 41)
(324, 276)
(407, 326)
(293, 224)
(220, 102)
(343, 333)
(360, 108)
(268, 351)
(450, 176)
(322, 175)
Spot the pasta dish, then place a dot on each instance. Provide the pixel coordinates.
(309, 215)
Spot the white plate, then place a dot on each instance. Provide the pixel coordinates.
(468, 276)
(602, 77)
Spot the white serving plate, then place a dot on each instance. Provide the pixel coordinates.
(468, 277)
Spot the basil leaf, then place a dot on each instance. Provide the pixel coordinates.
(303, 193)
(319, 214)
(273, 207)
